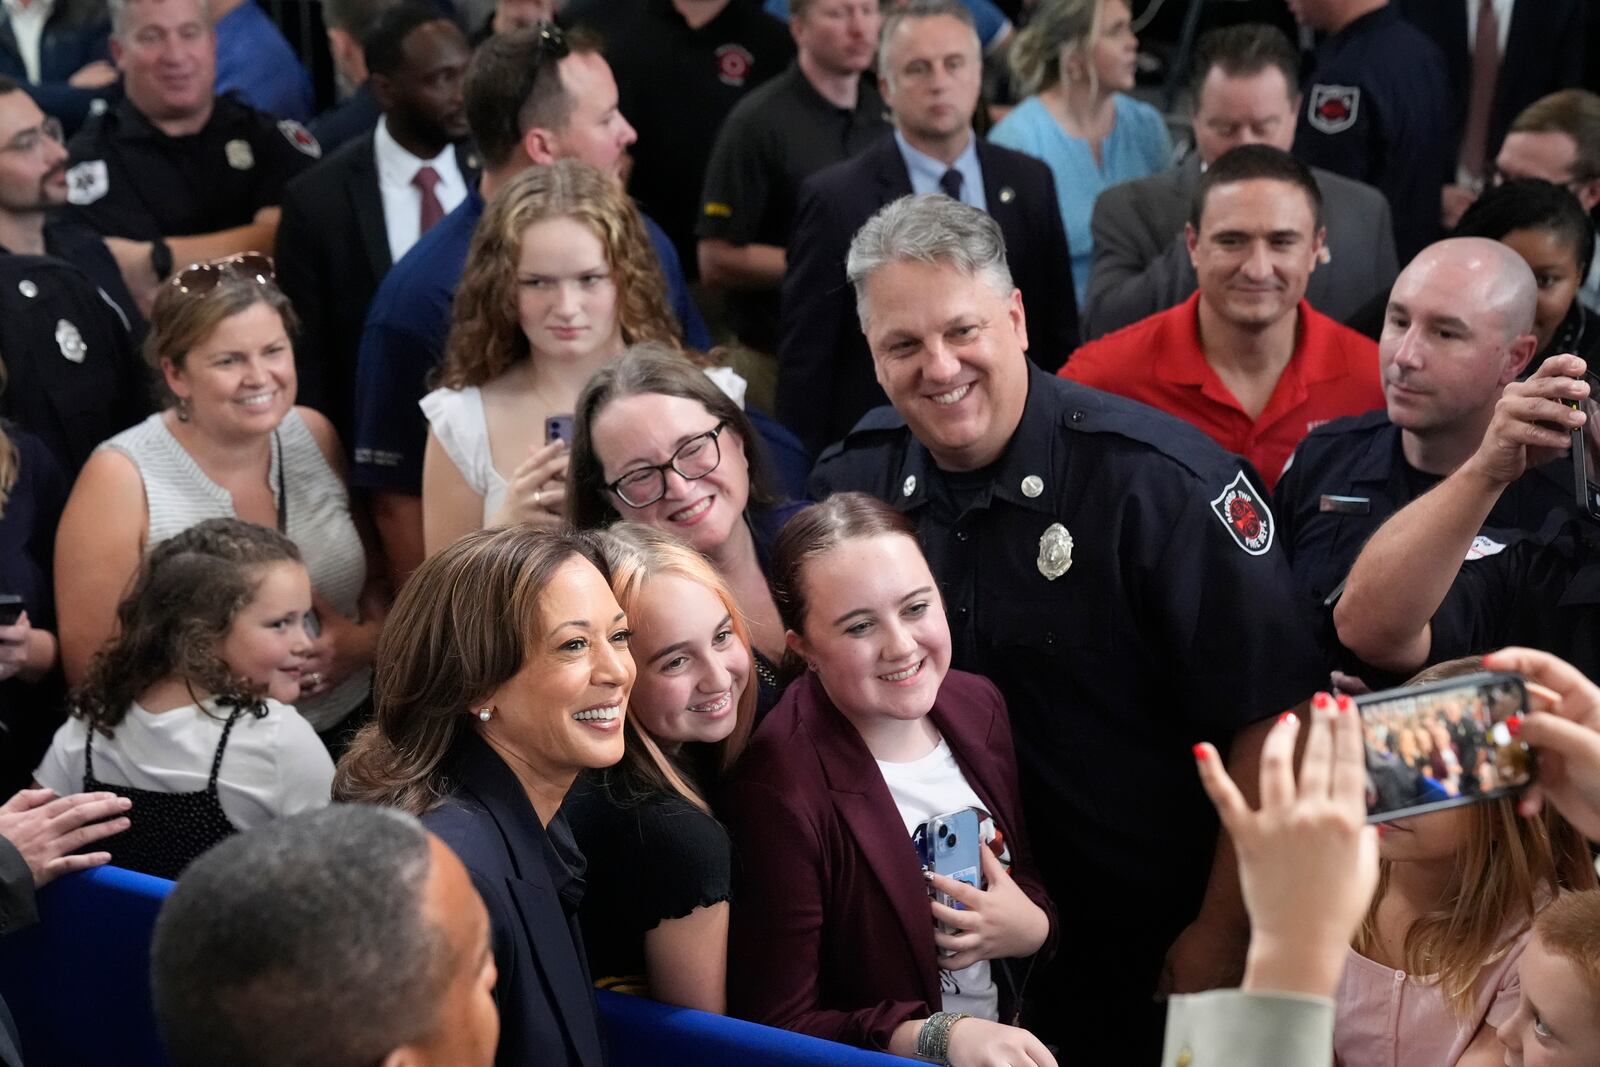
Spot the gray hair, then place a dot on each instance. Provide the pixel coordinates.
(922, 9)
(932, 229)
(118, 10)
(302, 941)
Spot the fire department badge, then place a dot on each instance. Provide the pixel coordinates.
(240, 157)
(1055, 551)
(1333, 108)
(88, 182)
(733, 64)
(70, 341)
(300, 137)
(1245, 516)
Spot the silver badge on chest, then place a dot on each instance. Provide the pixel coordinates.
(70, 341)
(240, 156)
(1055, 551)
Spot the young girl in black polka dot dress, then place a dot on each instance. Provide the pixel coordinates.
(187, 711)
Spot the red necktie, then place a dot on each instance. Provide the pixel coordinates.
(1485, 72)
(425, 180)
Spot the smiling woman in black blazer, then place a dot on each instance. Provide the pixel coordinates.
(503, 672)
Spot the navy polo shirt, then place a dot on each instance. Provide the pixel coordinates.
(1542, 591)
(1117, 575)
(129, 179)
(1345, 480)
(774, 139)
(677, 85)
(404, 340)
(1377, 109)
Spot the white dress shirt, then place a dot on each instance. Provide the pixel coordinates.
(27, 26)
(402, 201)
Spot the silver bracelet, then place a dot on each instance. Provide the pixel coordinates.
(933, 1040)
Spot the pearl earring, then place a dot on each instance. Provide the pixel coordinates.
(485, 714)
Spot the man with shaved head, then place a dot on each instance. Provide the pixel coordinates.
(1458, 330)
(1430, 587)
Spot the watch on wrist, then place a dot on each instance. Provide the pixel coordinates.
(161, 259)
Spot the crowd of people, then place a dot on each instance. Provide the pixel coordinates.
(575, 512)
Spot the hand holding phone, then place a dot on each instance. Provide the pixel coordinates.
(1564, 729)
(999, 922)
(11, 606)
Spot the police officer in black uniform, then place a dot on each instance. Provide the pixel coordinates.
(1377, 107)
(73, 377)
(1429, 586)
(1109, 567)
(172, 160)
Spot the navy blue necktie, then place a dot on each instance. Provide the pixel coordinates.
(950, 182)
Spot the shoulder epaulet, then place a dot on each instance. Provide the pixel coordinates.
(876, 426)
(1365, 423)
(1087, 410)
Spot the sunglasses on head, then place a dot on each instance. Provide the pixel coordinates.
(199, 278)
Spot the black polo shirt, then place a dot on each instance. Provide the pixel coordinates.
(1347, 477)
(1377, 109)
(677, 86)
(774, 139)
(1540, 591)
(128, 179)
(1117, 575)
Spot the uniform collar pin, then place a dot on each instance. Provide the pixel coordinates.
(1007, 194)
(27, 288)
(908, 486)
(1032, 486)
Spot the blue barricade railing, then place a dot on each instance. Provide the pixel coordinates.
(78, 985)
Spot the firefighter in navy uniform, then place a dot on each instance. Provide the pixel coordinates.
(1111, 570)
(72, 376)
(175, 174)
(128, 179)
(1348, 476)
(1432, 585)
(1377, 109)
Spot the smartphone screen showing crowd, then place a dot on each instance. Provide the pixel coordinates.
(1442, 744)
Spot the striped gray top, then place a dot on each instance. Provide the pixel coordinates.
(178, 494)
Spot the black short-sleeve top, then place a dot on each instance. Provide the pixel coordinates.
(650, 858)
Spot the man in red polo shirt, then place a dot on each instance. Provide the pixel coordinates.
(1245, 358)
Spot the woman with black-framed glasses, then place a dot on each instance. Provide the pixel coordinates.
(230, 444)
(655, 441)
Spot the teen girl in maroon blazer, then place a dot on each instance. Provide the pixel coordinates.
(832, 927)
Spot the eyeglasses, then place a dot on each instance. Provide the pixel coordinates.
(28, 141)
(199, 278)
(694, 459)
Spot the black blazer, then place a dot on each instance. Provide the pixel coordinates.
(546, 998)
(332, 250)
(825, 376)
(1543, 53)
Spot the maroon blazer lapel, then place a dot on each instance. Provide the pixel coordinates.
(864, 804)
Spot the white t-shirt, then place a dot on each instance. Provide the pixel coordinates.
(922, 789)
(272, 766)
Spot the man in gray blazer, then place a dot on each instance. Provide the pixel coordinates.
(1245, 80)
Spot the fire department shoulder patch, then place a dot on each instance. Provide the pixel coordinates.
(1245, 515)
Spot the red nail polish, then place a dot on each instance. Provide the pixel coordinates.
(1347, 705)
(1288, 716)
(1200, 752)
(1322, 702)
(1514, 725)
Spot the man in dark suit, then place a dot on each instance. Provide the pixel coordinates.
(1246, 91)
(368, 944)
(1537, 49)
(348, 219)
(929, 67)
